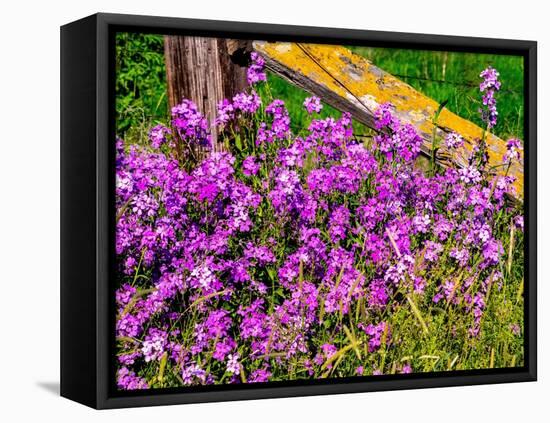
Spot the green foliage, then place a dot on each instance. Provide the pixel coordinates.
(443, 76)
(455, 77)
(140, 84)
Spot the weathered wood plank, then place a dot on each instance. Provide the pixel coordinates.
(204, 71)
(351, 83)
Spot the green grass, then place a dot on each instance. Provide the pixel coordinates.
(454, 77)
(294, 99)
(443, 76)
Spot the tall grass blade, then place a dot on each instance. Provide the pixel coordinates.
(416, 312)
(511, 248)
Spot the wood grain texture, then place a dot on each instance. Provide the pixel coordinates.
(203, 70)
(351, 83)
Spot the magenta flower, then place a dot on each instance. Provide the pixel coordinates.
(250, 167)
(127, 380)
(313, 105)
(513, 150)
(255, 72)
(154, 345)
(406, 369)
(259, 375)
(489, 86)
(157, 135)
(226, 112)
(453, 140)
(247, 103)
(233, 365)
(518, 221)
(190, 124)
(376, 334)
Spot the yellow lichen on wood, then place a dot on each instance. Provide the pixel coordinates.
(351, 83)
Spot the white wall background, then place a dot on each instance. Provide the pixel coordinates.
(29, 209)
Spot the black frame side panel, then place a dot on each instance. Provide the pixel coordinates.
(78, 211)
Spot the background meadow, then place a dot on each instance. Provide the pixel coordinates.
(269, 276)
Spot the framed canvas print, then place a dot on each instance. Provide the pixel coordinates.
(255, 211)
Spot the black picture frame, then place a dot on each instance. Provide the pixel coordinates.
(87, 209)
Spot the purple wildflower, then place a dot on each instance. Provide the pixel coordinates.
(406, 369)
(154, 345)
(226, 272)
(489, 86)
(518, 221)
(247, 103)
(233, 365)
(339, 221)
(433, 249)
(454, 140)
(259, 375)
(255, 72)
(127, 380)
(157, 135)
(193, 373)
(376, 334)
(250, 167)
(461, 255)
(470, 175)
(226, 112)
(190, 124)
(313, 104)
(513, 151)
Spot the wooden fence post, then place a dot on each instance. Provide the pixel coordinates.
(204, 70)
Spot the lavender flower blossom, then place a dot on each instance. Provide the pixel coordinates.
(454, 140)
(157, 135)
(233, 365)
(513, 148)
(250, 167)
(255, 72)
(128, 380)
(190, 124)
(489, 86)
(313, 105)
